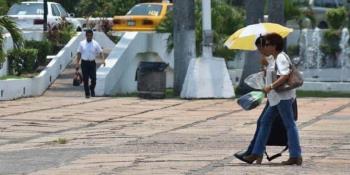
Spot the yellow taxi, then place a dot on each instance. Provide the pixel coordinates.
(142, 17)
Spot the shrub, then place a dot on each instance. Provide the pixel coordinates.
(3, 7)
(66, 32)
(22, 61)
(331, 42)
(43, 46)
(336, 17)
(59, 35)
(293, 50)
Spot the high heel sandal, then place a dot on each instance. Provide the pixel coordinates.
(252, 158)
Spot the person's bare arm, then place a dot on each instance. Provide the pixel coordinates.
(282, 79)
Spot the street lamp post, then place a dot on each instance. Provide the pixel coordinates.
(45, 16)
(207, 32)
(207, 76)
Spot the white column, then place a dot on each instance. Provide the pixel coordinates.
(207, 32)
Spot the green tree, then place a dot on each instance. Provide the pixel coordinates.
(69, 5)
(7, 25)
(235, 2)
(225, 20)
(103, 8)
(3, 7)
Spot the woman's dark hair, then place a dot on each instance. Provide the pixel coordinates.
(260, 41)
(275, 39)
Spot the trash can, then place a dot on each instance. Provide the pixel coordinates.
(151, 80)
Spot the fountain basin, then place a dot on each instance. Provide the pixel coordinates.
(326, 86)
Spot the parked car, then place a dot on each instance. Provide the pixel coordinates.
(320, 7)
(142, 17)
(29, 15)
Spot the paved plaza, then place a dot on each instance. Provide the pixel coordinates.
(52, 135)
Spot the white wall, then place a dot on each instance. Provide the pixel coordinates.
(118, 76)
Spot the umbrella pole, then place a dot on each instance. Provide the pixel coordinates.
(207, 32)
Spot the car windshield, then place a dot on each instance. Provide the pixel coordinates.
(328, 3)
(26, 9)
(146, 9)
(63, 12)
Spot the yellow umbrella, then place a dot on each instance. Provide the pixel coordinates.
(244, 38)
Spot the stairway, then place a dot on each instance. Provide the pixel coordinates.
(63, 86)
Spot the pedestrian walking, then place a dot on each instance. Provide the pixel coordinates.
(88, 50)
(277, 137)
(280, 102)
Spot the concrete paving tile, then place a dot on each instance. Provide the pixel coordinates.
(171, 136)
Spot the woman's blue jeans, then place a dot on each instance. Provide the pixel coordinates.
(284, 108)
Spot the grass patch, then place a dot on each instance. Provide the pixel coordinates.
(134, 94)
(8, 77)
(169, 93)
(322, 94)
(22, 76)
(61, 141)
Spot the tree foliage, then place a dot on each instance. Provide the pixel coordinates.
(3, 7)
(7, 24)
(225, 20)
(104, 8)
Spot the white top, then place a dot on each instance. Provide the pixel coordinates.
(89, 50)
(283, 68)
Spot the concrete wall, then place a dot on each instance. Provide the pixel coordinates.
(118, 76)
(12, 89)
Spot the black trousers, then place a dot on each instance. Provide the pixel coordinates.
(88, 69)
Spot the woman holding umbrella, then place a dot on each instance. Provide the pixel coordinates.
(279, 102)
(277, 135)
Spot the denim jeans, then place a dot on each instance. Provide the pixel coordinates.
(284, 108)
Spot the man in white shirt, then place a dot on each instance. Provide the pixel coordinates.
(87, 52)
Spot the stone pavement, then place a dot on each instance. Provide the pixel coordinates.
(53, 135)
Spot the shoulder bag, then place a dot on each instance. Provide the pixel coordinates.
(295, 78)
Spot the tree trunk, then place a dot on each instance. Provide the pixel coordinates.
(276, 16)
(254, 14)
(184, 40)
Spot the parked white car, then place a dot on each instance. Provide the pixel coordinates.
(29, 15)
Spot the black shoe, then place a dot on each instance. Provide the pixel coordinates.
(92, 92)
(87, 96)
(252, 158)
(240, 154)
